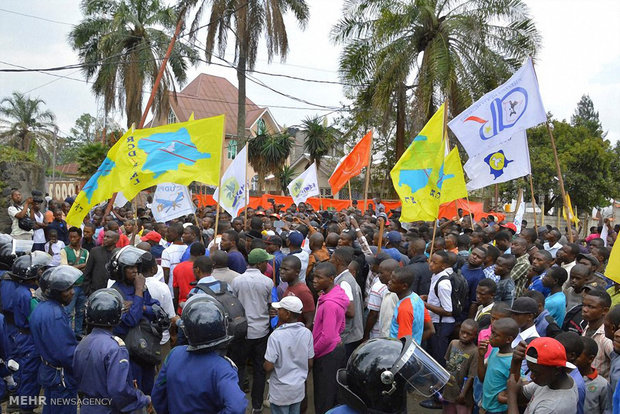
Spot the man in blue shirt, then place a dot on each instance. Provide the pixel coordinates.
(555, 303)
(541, 262)
(472, 271)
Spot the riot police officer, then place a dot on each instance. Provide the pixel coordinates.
(18, 300)
(381, 371)
(124, 268)
(199, 369)
(54, 339)
(101, 360)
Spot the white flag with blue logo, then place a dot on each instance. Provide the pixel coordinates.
(171, 201)
(500, 114)
(235, 194)
(499, 163)
(304, 186)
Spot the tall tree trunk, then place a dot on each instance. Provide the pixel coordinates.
(241, 68)
(401, 104)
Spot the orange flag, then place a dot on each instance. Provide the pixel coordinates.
(351, 165)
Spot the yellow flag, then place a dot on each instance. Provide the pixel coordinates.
(452, 180)
(572, 215)
(417, 173)
(612, 270)
(176, 153)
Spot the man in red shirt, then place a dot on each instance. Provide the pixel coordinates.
(289, 273)
(183, 275)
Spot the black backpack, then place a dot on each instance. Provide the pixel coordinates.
(460, 292)
(238, 323)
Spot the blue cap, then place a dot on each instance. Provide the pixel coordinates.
(394, 236)
(295, 238)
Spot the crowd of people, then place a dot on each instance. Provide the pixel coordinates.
(187, 316)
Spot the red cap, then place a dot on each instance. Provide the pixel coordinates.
(510, 226)
(551, 353)
(151, 236)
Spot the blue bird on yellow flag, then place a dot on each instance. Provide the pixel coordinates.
(176, 153)
(424, 177)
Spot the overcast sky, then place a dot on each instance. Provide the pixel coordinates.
(580, 54)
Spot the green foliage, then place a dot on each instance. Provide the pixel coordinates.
(268, 153)
(586, 116)
(122, 44)
(439, 50)
(91, 156)
(26, 125)
(319, 138)
(10, 154)
(285, 177)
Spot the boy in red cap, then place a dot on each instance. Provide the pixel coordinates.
(552, 390)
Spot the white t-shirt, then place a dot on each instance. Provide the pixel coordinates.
(375, 298)
(56, 248)
(160, 292)
(387, 313)
(444, 297)
(171, 257)
(304, 257)
(15, 230)
(39, 235)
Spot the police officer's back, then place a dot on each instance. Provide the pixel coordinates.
(195, 378)
(101, 361)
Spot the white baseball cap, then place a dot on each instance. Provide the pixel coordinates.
(290, 303)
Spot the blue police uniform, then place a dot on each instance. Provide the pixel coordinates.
(101, 369)
(4, 355)
(21, 342)
(55, 342)
(197, 382)
(141, 307)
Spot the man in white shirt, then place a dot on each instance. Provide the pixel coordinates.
(171, 256)
(18, 211)
(38, 235)
(439, 305)
(524, 311)
(552, 245)
(253, 289)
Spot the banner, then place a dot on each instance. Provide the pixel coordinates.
(351, 165)
(235, 194)
(573, 217)
(419, 170)
(452, 182)
(304, 186)
(512, 107)
(612, 270)
(500, 163)
(171, 201)
(519, 216)
(179, 153)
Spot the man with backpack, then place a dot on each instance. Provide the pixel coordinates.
(254, 292)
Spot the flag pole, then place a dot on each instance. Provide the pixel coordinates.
(246, 190)
(533, 203)
(368, 173)
(219, 188)
(380, 243)
(557, 165)
(471, 216)
(350, 198)
(444, 136)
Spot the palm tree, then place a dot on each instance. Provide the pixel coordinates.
(247, 19)
(286, 176)
(91, 155)
(121, 43)
(319, 138)
(442, 50)
(25, 122)
(268, 154)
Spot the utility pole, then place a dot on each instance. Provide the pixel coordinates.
(54, 153)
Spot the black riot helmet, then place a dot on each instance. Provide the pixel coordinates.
(205, 324)
(30, 266)
(104, 308)
(126, 257)
(7, 257)
(57, 279)
(380, 371)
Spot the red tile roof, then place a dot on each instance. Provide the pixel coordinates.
(70, 168)
(209, 95)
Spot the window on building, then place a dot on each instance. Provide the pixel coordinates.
(232, 149)
(172, 118)
(326, 192)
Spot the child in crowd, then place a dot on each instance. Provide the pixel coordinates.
(571, 342)
(596, 303)
(494, 370)
(505, 285)
(555, 303)
(289, 355)
(597, 387)
(489, 262)
(54, 247)
(485, 293)
(462, 366)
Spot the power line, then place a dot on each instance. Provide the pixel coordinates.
(36, 17)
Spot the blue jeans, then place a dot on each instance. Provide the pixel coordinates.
(78, 303)
(285, 409)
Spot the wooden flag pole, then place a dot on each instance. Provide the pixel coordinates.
(471, 216)
(219, 192)
(564, 198)
(350, 198)
(381, 226)
(368, 174)
(246, 190)
(496, 197)
(533, 203)
(433, 240)
(542, 214)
